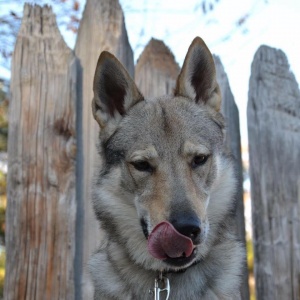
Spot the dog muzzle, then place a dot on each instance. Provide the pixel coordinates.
(166, 242)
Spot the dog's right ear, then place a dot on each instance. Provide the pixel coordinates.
(114, 92)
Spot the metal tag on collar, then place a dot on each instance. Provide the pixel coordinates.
(161, 284)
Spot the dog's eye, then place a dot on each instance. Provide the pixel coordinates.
(199, 160)
(142, 166)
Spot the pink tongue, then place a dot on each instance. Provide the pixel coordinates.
(165, 241)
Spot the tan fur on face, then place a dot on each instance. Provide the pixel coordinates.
(159, 201)
(149, 154)
(198, 197)
(158, 197)
(190, 149)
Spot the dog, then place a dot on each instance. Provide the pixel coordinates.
(165, 193)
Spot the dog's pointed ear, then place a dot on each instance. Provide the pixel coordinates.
(197, 79)
(114, 91)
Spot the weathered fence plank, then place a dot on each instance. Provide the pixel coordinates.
(274, 140)
(156, 70)
(41, 211)
(233, 141)
(101, 28)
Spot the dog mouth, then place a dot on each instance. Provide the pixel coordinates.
(167, 244)
(181, 261)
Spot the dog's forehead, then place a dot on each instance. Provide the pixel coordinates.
(167, 123)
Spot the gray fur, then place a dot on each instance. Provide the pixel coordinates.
(168, 133)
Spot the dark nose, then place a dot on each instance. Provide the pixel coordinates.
(189, 226)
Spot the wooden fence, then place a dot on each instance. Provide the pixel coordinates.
(42, 196)
(50, 227)
(102, 28)
(274, 142)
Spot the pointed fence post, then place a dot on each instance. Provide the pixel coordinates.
(274, 140)
(233, 142)
(43, 260)
(102, 28)
(156, 70)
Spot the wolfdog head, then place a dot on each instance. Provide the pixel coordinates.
(166, 183)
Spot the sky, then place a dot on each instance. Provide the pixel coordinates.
(275, 23)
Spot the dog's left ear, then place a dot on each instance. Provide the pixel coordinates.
(114, 92)
(197, 79)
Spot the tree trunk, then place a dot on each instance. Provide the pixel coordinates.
(274, 140)
(102, 28)
(233, 142)
(156, 70)
(41, 212)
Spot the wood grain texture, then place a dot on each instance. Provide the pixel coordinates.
(102, 28)
(156, 70)
(274, 140)
(41, 211)
(233, 142)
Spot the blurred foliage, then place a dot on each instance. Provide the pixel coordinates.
(250, 256)
(2, 271)
(2, 185)
(2, 206)
(3, 147)
(3, 115)
(2, 217)
(3, 123)
(250, 261)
